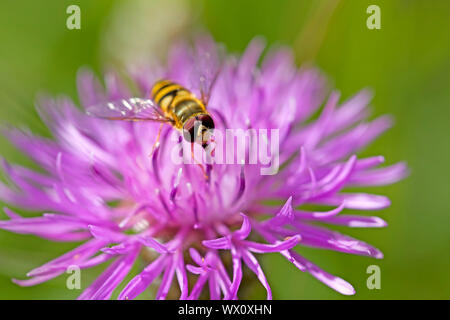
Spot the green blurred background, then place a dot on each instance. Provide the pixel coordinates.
(406, 63)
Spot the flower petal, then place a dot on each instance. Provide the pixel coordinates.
(245, 229)
(103, 286)
(139, 283)
(276, 247)
(359, 201)
(333, 282)
(253, 264)
(219, 243)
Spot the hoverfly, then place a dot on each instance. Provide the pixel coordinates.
(169, 103)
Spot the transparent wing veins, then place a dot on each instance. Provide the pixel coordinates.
(132, 109)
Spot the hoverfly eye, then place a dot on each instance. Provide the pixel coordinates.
(189, 134)
(189, 130)
(197, 129)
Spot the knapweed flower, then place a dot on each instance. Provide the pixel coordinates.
(103, 185)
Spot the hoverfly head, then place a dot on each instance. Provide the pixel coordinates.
(199, 129)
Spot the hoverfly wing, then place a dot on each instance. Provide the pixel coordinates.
(207, 66)
(132, 109)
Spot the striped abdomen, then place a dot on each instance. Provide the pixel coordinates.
(177, 102)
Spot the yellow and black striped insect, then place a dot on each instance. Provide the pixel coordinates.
(170, 103)
(185, 109)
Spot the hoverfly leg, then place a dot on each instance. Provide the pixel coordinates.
(157, 139)
(198, 163)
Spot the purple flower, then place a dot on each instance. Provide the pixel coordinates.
(100, 186)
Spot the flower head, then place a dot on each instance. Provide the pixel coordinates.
(100, 185)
